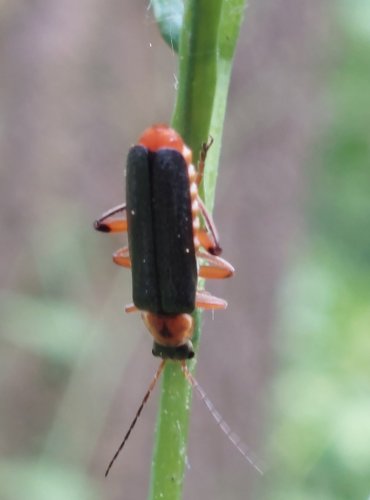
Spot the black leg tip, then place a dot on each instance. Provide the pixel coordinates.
(100, 226)
(215, 250)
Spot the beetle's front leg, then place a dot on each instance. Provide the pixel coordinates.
(204, 300)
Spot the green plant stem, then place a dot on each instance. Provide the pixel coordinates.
(208, 37)
(197, 72)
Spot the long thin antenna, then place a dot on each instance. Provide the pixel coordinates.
(235, 440)
(145, 399)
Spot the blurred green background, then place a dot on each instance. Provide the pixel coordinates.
(288, 363)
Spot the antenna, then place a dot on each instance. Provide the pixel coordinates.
(235, 440)
(145, 399)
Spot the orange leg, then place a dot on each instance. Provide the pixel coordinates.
(107, 223)
(202, 159)
(130, 308)
(207, 241)
(122, 257)
(205, 300)
(217, 268)
(211, 234)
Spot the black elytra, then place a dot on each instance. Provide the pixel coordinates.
(160, 231)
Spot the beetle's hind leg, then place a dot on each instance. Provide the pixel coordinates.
(208, 242)
(208, 237)
(108, 223)
(202, 159)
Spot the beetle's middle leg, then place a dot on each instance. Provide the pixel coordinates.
(216, 268)
(122, 257)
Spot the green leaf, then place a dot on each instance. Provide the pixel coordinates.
(169, 15)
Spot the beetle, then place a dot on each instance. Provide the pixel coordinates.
(168, 248)
(165, 238)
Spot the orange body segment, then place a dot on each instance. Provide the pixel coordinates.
(161, 136)
(170, 331)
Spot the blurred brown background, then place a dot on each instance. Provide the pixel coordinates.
(79, 82)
